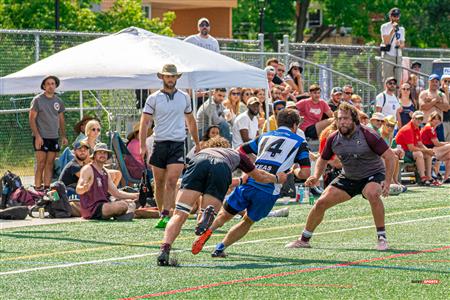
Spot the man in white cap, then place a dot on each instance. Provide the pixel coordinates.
(387, 102)
(203, 38)
(169, 108)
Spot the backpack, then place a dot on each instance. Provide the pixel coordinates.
(146, 191)
(55, 202)
(8, 184)
(24, 197)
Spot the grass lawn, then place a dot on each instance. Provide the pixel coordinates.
(113, 260)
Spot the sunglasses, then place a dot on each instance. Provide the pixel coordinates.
(96, 129)
(446, 81)
(395, 15)
(420, 118)
(279, 108)
(204, 24)
(236, 94)
(391, 83)
(406, 89)
(348, 93)
(281, 70)
(390, 126)
(381, 121)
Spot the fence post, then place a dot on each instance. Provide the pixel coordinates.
(37, 46)
(286, 50)
(261, 48)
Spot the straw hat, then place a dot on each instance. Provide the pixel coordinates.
(170, 70)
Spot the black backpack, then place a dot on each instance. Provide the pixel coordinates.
(57, 206)
(8, 184)
(146, 191)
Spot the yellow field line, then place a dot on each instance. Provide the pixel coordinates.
(220, 234)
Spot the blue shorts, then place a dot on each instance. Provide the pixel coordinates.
(246, 197)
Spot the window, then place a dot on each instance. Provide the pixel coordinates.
(147, 11)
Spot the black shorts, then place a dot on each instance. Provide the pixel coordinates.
(166, 153)
(207, 175)
(311, 132)
(50, 145)
(98, 215)
(355, 187)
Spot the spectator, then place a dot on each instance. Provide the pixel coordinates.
(393, 38)
(276, 93)
(270, 73)
(71, 172)
(294, 77)
(433, 99)
(312, 110)
(387, 133)
(441, 150)
(260, 94)
(46, 119)
(95, 186)
(347, 93)
(387, 102)
(80, 127)
(357, 101)
(210, 133)
(445, 88)
(278, 106)
(232, 103)
(245, 127)
(407, 105)
(335, 99)
(171, 110)
(246, 93)
(415, 90)
(376, 121)
(203, 38)
(274, 63)
(133, 144)
(212, 112)
(281, 70)
(408, 137)
(416, 66)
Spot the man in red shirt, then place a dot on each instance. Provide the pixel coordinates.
(312, 111)
(409, 138)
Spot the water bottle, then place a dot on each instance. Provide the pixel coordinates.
(311, 199)
(299, 193)
(307, 194)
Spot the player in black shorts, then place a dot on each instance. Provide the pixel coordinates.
(361, 151)
(209, 175)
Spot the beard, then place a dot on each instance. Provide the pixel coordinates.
(204, 31)
(169, 85)
(81, 158)
(347, 130)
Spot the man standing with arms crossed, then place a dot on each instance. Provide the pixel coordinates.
(168, 108)
(360, 150)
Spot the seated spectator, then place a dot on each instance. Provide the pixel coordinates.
(210, 133)
(347, 93)
(276, 93)
(274, 63)
(245, 127)
(232, 103)
(294, 77)
(357, 101)
(71, 172)
(376, 121)
(270, 73)
(246, 93)
(260, 94)
(212, 112)
(408, 137)
(387, 133)
(335, 98)
(133, 143)
(441, 150)
(278, 106)
(407, 105)
(280, 73)
(312, 110)
(80, 127)
(95, 186)
(387, 102)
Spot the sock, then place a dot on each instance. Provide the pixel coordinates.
(381, 232)
(164, 213)
(165, 247)
(220, 247)
(306, 235)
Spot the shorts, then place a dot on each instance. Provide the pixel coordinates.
(409, 157)
(98, 215)
(50, 145)
(247, 197)
(355, 187)
(207, 175)
(311, 132)
(166, 153)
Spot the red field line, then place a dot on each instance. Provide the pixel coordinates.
(348, 286)
(211, 285)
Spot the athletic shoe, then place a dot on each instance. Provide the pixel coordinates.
(280, 213)
(163, 258)
(199, 242)
(206, 220)
(447, 181)
(298, 244)
(219, 254)
(126, 217)
(404, 188)
(162, 222)
(382, 244)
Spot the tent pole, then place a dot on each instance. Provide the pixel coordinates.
(81, 105)
(266, 92)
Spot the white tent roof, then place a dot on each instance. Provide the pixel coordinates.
(130, 59)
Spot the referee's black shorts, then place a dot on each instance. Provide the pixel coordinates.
(208, 175)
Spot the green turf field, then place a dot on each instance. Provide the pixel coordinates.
(111, 260)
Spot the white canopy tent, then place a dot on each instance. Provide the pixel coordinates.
(130, 59)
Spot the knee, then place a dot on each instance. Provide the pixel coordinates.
(320, 206)
(171, 182)
(373, 196)
(418, 155)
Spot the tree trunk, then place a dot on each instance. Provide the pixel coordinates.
(301, 14)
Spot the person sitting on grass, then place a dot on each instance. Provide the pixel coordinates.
(95, 186)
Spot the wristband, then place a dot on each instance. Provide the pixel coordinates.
(240, 180)
(276, 178)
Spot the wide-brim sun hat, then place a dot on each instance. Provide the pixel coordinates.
(170, 70)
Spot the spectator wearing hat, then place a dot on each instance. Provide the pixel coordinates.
(387, 133)
(270, 73)
(71, 172)
(276, 65)
(393, 38)
(170, 109)
(47, 125)
(408, 137)
(80, 127)
(94, 187)
(335, 99)
(431, 100)
(376, 121)
(294, 77)
(387, 102)
(245, 126)
(278, 106)
(417, 66)
(203, 38)
(445, 88)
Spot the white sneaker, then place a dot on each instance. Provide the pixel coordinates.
(280, 213)
(298, 244)
(382, 244)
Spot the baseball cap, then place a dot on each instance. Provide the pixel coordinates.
(446, 76)
(418, 114)
(79, 144)
(434, 76)
(377, 116)
(394, 11)
(336, 90)
(253, 100)
(416, 63)
(203, 20)
(278, 102)
(389, 79)
(269, 69)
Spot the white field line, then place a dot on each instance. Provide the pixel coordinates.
(99, 261)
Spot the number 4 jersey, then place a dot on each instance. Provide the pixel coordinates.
(276, 151)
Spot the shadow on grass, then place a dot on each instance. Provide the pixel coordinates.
(38, 231)
(414, 269)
